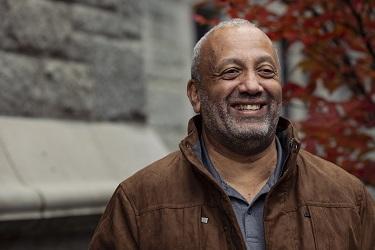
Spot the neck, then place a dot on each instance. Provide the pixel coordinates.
(213, 146)
(246, 173)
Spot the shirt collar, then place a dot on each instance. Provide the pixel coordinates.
(201, 152)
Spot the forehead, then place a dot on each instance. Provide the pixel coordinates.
(238, 41)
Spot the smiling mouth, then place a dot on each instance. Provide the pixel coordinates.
(250, 107)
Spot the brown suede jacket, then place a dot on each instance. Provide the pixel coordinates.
(175, 204)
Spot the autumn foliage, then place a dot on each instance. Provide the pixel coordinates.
(338, 48)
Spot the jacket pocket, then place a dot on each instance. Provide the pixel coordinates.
(334, 226)
(174, 228)
(169, 228)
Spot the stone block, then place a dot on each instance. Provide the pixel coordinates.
(17, 74)
(168, 106)
(120, 90)
(118, 69)
(168, 37)
(80, 47)
(42, 87)
(65, 88)
(5, 41)
(99, 21)
(109, 87)
(105, 4)
(130, 9)
(133, 10)
(36, 25)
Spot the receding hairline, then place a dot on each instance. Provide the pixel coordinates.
(252, 29)
(202, 43)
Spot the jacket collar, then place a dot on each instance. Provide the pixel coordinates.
(286, 133)
(287, 136)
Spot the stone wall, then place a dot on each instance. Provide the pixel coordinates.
(168, 38)
(72, 59)
(123, 60)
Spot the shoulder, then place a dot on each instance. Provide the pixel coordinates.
(326, 169)
(167, 183)
(154, 173)
(324, 181)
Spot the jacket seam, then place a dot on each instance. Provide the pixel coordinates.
(313, 229)
(135, 210)
(319, 204)
(172, 206)
(123, 190)
(329, 204)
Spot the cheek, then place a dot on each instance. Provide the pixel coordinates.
(221, 90)
(275, 90)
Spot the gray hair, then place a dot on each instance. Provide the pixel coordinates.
(197, 51)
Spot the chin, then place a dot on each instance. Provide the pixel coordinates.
(251, 130)
(251, 135)
(249, 138)
(249, 144)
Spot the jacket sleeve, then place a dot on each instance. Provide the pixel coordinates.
(367, 221)
(117, 228)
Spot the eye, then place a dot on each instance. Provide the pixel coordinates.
(230, 74)
(267, 72)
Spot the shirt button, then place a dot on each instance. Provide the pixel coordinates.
(249, 211)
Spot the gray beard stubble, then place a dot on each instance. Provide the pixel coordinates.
(228, 132)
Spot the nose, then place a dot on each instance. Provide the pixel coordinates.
(250, 84)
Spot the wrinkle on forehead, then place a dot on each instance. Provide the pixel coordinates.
(211, 46)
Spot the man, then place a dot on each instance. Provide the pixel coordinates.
(239, 180)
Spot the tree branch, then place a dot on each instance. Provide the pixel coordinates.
(362, 31)
(355, 84)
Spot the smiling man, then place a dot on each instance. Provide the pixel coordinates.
(239, 180)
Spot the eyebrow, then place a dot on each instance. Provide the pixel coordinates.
(266, 58)
(228, 61)
(258, 60)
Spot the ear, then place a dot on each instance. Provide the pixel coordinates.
(192, 93)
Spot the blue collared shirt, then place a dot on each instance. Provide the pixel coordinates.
(249, 215)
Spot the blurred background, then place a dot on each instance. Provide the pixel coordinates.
(93, 90)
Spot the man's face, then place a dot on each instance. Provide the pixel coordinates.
(240, 93)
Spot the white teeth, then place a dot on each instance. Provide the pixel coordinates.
(248, 107)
